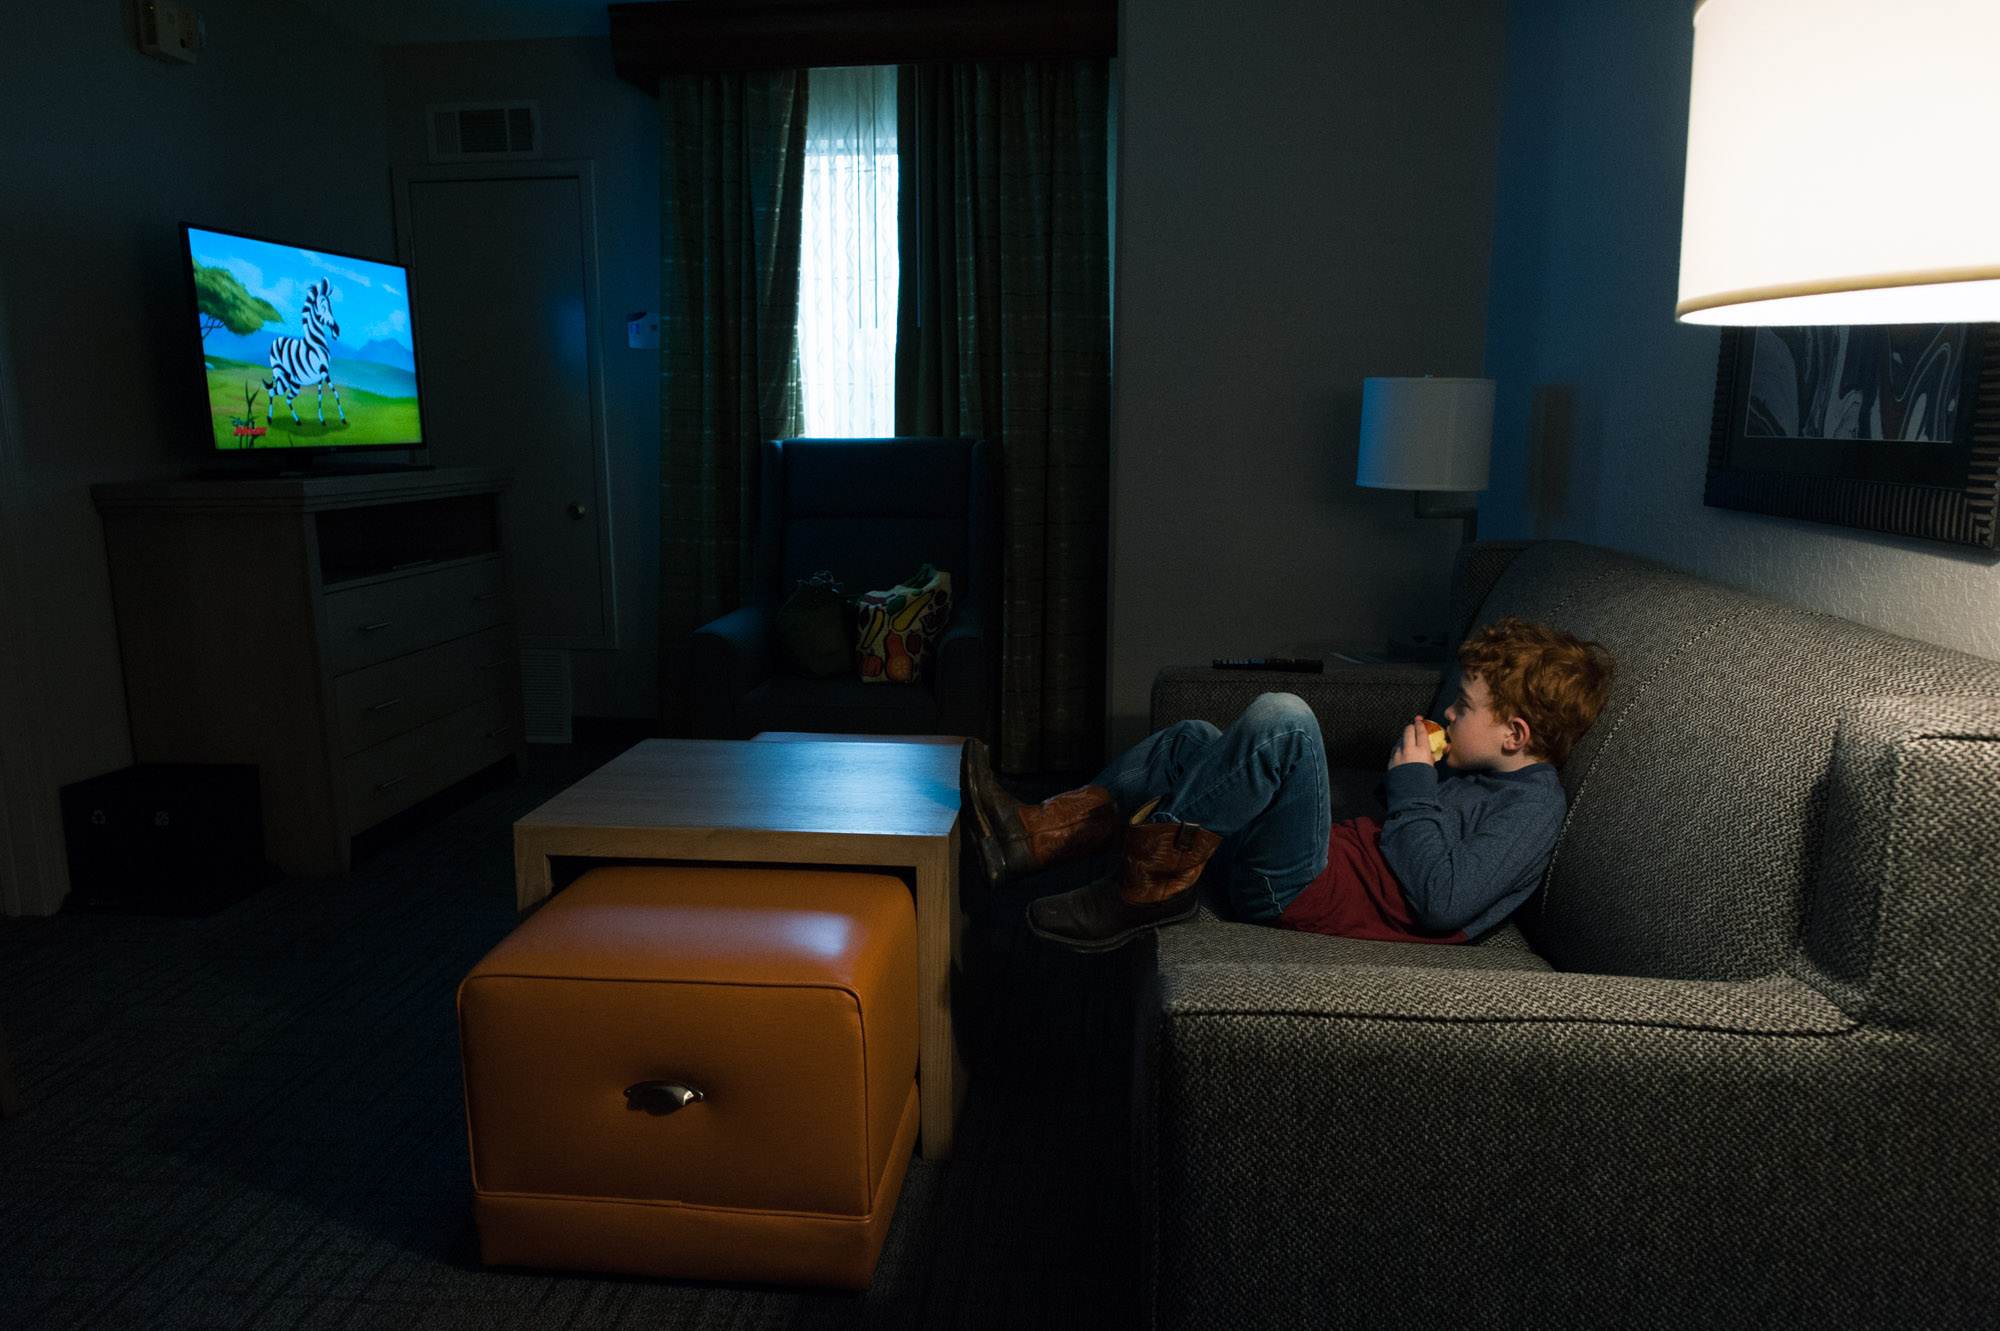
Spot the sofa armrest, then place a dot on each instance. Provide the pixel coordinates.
(1360, 707)
(1902, 923)
(727, 657)
(1213, 941)
(963, 650)
(963, 677)
(1443, 1002)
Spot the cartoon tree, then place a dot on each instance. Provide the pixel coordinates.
(225, 304)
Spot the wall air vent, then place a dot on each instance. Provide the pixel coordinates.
(545, 695)
(484, 131)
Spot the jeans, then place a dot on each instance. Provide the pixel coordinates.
(1260, 785)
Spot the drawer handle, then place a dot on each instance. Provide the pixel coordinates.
(499, 731)
(393, 781)
(385, 706)
(660, 1097)
(486, 596)
(379, 624)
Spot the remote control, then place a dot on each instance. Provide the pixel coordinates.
(1298, 664)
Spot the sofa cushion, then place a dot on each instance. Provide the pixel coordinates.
(870, 551)
(1694, 820)
(1211, 941)
(788, 702)
(873, 509)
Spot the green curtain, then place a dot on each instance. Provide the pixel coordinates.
(732, 171)
(1005, 334)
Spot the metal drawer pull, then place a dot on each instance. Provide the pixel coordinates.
(486, 596)
(499, 731)
(370, 628)
(393, 781)
(385, 706)
(660, 1097)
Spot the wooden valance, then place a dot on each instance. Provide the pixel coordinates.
(705, 36)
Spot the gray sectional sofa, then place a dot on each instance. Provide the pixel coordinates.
(1735, 1064)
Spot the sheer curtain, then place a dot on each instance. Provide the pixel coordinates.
(847, 263)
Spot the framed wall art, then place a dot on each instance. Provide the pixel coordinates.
(1892, 429)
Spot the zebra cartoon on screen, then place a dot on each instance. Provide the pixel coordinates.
(300, 361)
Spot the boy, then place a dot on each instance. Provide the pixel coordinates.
(1461, 847)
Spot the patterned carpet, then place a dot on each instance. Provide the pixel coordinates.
(255, 1120)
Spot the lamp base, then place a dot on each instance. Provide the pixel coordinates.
(1422, 648)
(1469, 513)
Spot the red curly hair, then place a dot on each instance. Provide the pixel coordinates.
(1554, 681)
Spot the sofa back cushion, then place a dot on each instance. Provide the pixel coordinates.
(870, 511)
(1695, 801)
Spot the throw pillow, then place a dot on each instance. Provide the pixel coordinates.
(811, 628)
(896, 629)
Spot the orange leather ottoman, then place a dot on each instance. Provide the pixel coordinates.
(784, 999)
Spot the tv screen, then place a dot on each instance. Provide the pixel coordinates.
(301, 348)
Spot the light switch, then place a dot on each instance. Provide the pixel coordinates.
(642, 331)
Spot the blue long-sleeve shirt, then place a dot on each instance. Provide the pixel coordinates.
(1467, 847)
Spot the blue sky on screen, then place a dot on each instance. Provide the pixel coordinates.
(369, 300)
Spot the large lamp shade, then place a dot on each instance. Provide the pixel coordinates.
(1843, 163)
(1425, 434)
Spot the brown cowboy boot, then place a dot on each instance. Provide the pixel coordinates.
(1015, 838)
(1154, 886)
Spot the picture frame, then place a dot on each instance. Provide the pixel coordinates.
(1889, 429)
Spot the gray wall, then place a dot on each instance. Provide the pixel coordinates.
(276, 131)
(586, 112)
(1305, 200)
(1585, 262)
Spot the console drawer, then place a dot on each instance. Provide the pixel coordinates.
(384, 700)
(395, 774)
(390, 617)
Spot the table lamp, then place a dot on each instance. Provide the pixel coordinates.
(1427, 435)
(1840, 163)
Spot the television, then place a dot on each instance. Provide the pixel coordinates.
(303, 351)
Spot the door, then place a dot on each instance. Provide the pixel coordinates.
(503, 265)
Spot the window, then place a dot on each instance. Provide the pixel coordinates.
(847, 259)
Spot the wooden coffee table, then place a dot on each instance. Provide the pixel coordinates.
(885, 804)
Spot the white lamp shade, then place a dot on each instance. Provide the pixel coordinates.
(1425, 434)
(1841, 163)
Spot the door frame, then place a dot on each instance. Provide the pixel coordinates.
(583, 172)
(34, 864)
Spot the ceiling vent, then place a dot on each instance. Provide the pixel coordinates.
(484, 131)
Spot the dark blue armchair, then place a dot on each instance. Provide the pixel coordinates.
(870, 511)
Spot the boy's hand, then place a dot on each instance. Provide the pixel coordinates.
(1415, 746)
